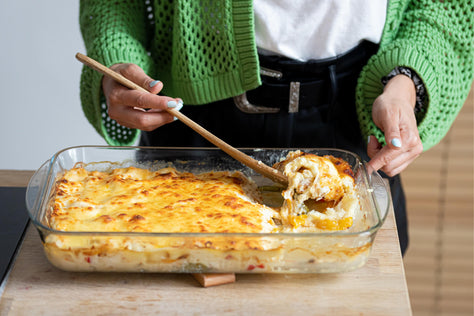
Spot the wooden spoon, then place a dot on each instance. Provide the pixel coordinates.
(258, 166)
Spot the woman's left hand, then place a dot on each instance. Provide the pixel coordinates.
(393, 113)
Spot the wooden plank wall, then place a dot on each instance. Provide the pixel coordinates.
(439, 190)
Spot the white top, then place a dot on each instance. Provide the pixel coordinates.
(316, 29)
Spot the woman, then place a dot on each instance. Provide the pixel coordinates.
(382, 79)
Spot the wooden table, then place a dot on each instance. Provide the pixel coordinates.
(36, 287)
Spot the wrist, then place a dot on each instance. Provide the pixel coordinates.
(420, 91)
(401, 87)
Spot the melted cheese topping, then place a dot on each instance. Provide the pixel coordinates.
(320, 196)
(321, 192)
(138, 200)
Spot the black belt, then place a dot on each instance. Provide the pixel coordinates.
(289, 85)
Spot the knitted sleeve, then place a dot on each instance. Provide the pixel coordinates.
(113, 32)
(210, 53)
(435, 39)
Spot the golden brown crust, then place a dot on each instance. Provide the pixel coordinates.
(133, 199)
(138, 200)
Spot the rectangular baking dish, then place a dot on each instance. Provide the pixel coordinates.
(186, 252)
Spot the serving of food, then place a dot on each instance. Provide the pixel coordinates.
(321, 192)
(97, 215)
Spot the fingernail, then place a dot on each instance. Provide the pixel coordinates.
(179, 106)
(153, 83)
(396, 142)
(368, 139)
(172, 104)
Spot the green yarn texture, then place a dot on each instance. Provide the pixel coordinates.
(435, 38)
(204, 51)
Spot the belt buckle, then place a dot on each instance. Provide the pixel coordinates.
(243, 104)
(294, 104)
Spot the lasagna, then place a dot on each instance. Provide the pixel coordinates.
(320, 194)
(113, 203)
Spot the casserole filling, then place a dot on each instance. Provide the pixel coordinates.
(321, 192)
(321, 197)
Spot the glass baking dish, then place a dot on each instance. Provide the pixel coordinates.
(326, 252)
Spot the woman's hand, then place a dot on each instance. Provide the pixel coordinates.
(393, 113)
(123, 102)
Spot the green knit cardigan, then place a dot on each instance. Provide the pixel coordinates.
(205, 51)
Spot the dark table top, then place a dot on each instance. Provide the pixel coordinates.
(13, 222)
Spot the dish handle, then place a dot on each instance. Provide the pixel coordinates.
(35, 188)
(381, 194)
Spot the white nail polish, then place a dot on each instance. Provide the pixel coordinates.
(172, 104)
(154, 83)
(179, 107)
(396, 142)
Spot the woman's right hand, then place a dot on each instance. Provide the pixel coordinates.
(123, 102)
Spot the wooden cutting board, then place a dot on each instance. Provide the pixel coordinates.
(36, 287)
